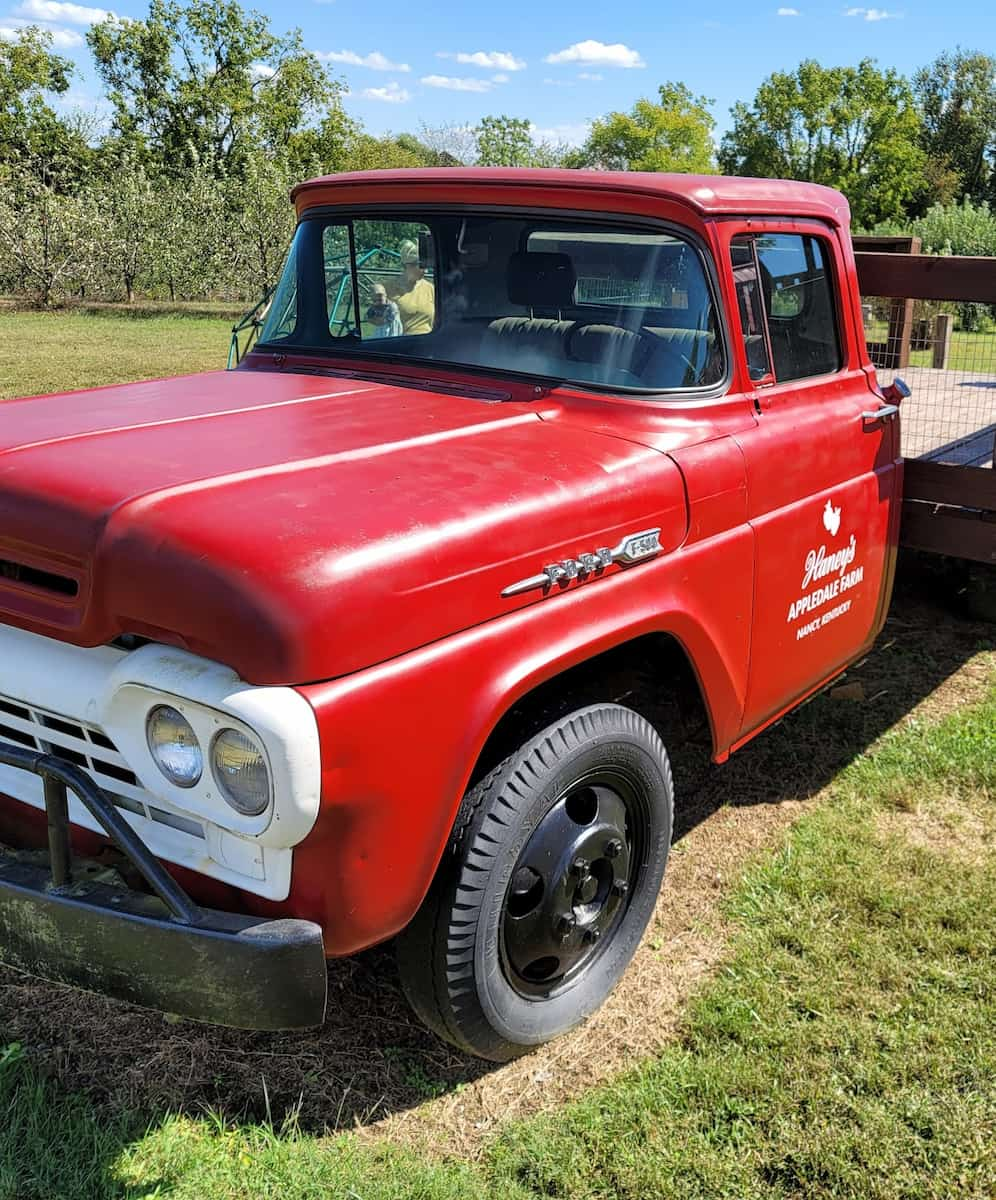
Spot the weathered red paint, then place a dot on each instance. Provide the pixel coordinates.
(351, 537)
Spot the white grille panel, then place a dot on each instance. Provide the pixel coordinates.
(88, 747)
(46, 687)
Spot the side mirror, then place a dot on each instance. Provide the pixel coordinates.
(897, 391)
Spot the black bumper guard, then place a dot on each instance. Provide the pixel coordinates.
(159, 950)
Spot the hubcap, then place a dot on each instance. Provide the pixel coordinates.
(570, 886)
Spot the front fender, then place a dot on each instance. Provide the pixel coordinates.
(400, 740)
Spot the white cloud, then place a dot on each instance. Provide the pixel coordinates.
(558, 82)
(788, 12)
(572, 134)
(79, 98)
(493, 60)
(261, 70)
(55, 10)
(393, 93)
(62, 39)
(375, 61)
(592, 77)
(454, 83)
(597, 54)
(872, 14)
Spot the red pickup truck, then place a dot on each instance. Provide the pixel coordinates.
(359, 641)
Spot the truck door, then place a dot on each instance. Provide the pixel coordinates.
(821, 466)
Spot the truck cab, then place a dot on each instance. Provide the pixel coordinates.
(340, 646)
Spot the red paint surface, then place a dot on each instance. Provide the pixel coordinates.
(351, 536)
(701, 196)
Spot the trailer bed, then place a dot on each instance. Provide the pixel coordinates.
(915, 330)
(950, 416)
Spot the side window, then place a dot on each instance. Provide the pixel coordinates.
(793, 275)
(750, 302)
(798, 285)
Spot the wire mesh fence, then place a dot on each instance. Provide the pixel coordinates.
(946, 352)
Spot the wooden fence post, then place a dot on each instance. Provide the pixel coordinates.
(900, 333)
(896, 352)
(943, 324)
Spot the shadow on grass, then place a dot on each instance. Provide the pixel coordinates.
(372, 1058)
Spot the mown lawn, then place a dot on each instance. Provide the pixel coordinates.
(61, 351)
(56, 352)
(845, 1050)
(969, 351)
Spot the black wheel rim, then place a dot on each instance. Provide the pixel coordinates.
(572, 884)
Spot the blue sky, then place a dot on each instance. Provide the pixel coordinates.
(562, 62)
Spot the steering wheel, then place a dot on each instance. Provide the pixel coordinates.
(664, 352)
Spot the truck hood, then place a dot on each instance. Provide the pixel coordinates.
(298, 527)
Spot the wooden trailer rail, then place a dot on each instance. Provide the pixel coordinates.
(950, 510)
(949, 504)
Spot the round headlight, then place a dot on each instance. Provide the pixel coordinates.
(240, 769)
(174, 745)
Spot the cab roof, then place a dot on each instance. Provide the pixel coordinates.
(707, 195)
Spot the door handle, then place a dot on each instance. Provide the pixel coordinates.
(886, 412)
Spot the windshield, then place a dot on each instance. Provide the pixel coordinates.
(581, 302)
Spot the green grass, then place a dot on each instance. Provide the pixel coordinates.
(61, 351)
(846, 1050)
(968, 352)
(54, 352)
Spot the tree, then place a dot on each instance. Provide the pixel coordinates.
(673, 133)
(364, 152)
(128, 238)
(852, 128)
(956, 96)
(208, 79)
(505, 142)
(31, 132)
(260, 222)
(191, 258)
(450, 145)
(46, 236)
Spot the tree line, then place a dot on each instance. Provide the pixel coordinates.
(183, 194)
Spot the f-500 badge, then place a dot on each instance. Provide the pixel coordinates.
(635, 547)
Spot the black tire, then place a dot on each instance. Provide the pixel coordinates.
(579, 806)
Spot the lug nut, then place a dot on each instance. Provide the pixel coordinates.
(565, 924)
(620, 887)
(613, 848)
(592, 936)
(580, 866)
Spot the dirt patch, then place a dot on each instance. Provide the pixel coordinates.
(684, 944)
(948, 825)
(374, 1067)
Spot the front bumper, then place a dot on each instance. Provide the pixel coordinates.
(66, 922)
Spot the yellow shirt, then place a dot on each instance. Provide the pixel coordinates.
(417, 307)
